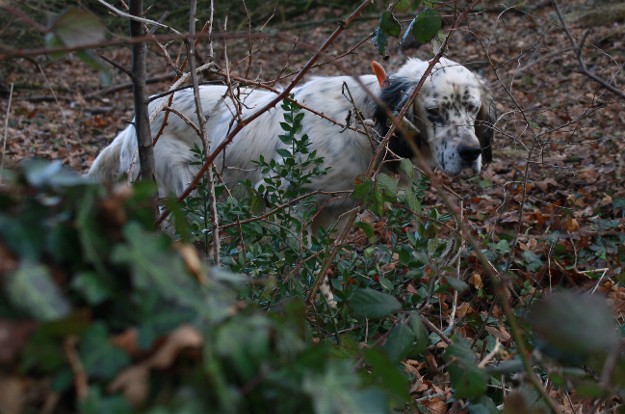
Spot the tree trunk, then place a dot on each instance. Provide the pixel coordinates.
(142, 121)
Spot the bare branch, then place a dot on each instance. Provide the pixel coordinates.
(578, 47)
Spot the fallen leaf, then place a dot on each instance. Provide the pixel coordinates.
(133, 383)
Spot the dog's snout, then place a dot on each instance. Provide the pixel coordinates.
(469, 153)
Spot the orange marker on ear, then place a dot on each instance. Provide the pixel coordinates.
(379, 72)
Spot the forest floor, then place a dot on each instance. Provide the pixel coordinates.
(556, 184)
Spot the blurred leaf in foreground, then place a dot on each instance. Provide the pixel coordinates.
(574, 326)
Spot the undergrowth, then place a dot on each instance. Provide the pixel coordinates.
(114, 316)
(105, 314)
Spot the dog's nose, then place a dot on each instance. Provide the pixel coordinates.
(469, 153)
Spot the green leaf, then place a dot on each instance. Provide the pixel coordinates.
(79, 27)
(533, 262)
(484, 405)
(368, 229)
(96, 63)
(98, 402)
(386, 374)
(95, 289)
(456, 284)
(380, 40)
(426, 25)
(32, 290)
(387, 184)
(389, 24)
(405, 6)
(336, 390)
(407, 167)
(409, 338)
(154, 266)
(100, 358)
(52, 41)
(369, 303)
(572, 325)
(40, 173)
(467, 379)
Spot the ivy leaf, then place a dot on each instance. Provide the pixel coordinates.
(155, 268)
(426, 25)
(100, 358)
(369, 303)
(32, 290)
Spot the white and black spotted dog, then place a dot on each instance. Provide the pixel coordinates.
(452, 119)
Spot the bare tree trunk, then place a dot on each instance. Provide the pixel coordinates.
(142, 121)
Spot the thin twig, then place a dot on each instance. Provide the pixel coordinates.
(135, 18)
(215, 246)
(6, 131)
(244, 122)
(580, 60)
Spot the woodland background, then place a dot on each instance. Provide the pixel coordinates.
(99, 313)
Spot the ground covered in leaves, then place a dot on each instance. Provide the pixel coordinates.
(550, 209)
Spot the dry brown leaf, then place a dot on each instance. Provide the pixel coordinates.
(476, 281)
(13, 337)
(12, 394)
(133, 383)
(191, 260)
(435, 405)
(571, 225)
(463, 309)
(185, 336)
(128, 341)
(499, 333)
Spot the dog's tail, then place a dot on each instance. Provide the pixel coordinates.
(109, 166)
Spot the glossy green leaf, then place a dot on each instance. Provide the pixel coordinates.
(370, 303)
(426, 25)
(407, 338)
(389, 24)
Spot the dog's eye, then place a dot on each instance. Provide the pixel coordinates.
(472, 108)
(433, 113)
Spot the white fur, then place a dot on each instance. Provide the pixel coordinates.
(347, 152)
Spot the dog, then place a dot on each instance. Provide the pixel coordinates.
(452, 123)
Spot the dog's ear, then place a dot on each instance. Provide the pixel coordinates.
(485, 127)
(380, 73)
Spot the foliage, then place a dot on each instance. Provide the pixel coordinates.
(106, 315)
(95, 284)
(120, 314)
(424, 27)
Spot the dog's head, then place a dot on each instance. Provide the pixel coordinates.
(451, 118)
